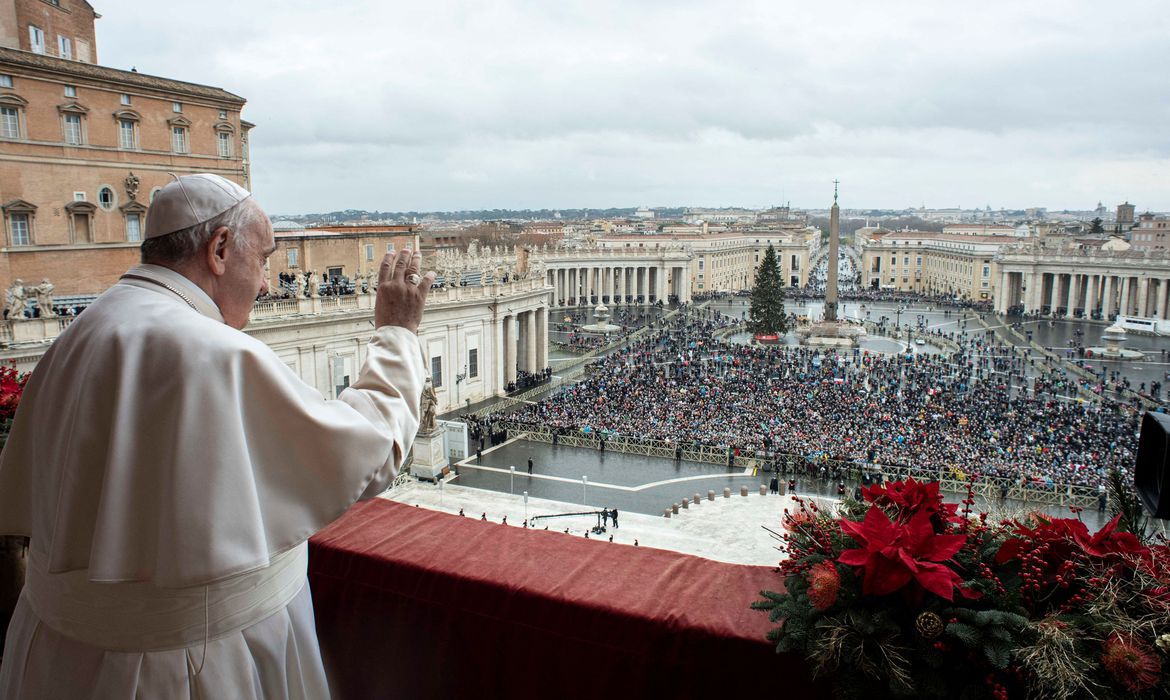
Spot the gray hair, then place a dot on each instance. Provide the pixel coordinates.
(184, 244)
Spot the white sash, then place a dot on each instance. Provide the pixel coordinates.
(144, 617)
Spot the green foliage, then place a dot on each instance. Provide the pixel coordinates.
(1127, 505)
(1096, 226)
(766, 314)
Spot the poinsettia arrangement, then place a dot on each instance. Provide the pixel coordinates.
(904, 595)
(11, 388)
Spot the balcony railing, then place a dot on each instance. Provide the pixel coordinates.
(413, 603)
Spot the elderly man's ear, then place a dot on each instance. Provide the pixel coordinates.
(219, 247)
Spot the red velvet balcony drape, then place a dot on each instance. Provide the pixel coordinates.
(413, 603)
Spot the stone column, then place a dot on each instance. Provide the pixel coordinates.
(512, 357)
(503, 331)
(1091, 295)
(542, 338)
(1074, 293)
(1143, 296)
(1052, 294)
(1035, 284)
(1107, 298)
(1160, 300)
(530, 337)
(685, 283)
(1124, 285)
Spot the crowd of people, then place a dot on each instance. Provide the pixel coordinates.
(985, 409)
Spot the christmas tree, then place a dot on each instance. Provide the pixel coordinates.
(766, 316)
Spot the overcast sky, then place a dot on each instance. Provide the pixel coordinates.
(433, 105)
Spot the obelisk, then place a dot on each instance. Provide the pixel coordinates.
(834, 251)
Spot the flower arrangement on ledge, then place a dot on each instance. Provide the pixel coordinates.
(11, 389)
(907, 596)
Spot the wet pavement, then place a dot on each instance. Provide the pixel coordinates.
(649, 485)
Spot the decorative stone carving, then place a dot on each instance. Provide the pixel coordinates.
(44, 296)
(299, 286)
(313, 284)
(16, 301)
(427, 407)
(131, 184)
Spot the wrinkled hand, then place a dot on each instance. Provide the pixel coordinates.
(400, 303)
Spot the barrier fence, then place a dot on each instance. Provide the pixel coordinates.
(949, 479)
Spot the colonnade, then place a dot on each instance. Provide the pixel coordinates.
(1084, 295)
(522, 342)
(618, 284)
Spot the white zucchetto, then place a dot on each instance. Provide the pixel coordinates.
(191, 200)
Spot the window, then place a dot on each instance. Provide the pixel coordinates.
(6, 81)
(179, 139)
(473, 363)
(73, 129)
(437, 372)
(369, 252)
(126, 135)
(83, 51)
(78, 196)
(70, 91)
(125, 99)
(389, 247)
(292, 258)
(36, 39)
(134, 228)
(342, 370)
(21, 233)
(223, 114)
(225, 144)
(106, 197)
(64, 47)
(9, 123)
(176, 106)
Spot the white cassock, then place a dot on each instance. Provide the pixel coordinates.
(169, 470)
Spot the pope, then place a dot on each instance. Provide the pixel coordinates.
(169, 468)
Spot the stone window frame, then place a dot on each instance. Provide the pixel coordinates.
(18, 103)
(21, 207)
(113, 197)
(221, 129)
(183, 123)
(81, 112)
(132, 208)
(128, 115)
(84, 209)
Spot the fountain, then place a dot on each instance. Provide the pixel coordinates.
(1114, 337)
(601, 324)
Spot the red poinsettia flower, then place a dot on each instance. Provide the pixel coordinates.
(1062, 534)
(894, 554)
(909, 497)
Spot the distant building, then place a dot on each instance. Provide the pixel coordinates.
(335, 251)
(960, 265)
(84, 148)
(1125, 219)
(1151, 233)
(979, 230)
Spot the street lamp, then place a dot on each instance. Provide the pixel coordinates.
(584, 484)
(511, 479)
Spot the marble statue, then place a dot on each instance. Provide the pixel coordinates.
(313, 284)
(299, 286)
(16, 300)
(427, 407)
(44, 296)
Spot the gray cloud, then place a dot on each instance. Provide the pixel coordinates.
(515, 103)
